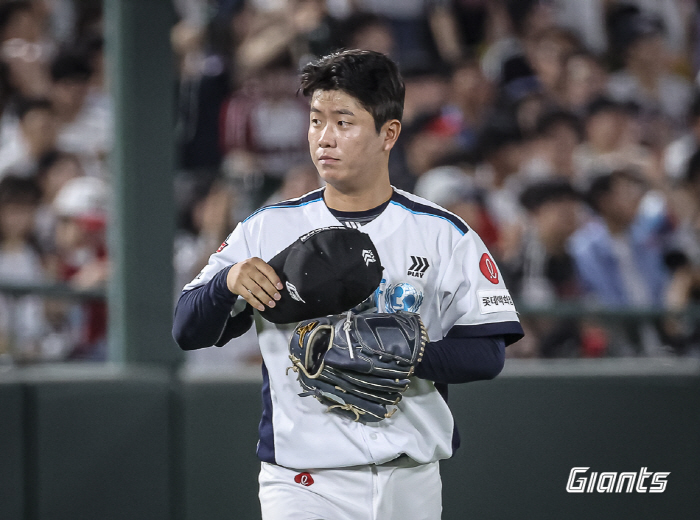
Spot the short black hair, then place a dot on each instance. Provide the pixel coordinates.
(71, 65)
(605, 104)
(694, 108)
(548, 190)
(51, 158)
(18, 190)
(603, 183)
(370, 77)
(551, 119)
(9, 9)
(692, 170)
(26, 105)
(500, 131)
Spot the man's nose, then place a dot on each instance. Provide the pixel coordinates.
(326, 139)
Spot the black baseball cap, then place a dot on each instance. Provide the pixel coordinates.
(326, 271)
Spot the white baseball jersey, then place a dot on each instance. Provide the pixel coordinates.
(433, 265)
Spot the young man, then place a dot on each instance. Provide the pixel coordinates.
(322, 465)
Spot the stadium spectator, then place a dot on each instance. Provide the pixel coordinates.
(21, 323)
(678, 153)
(683, 260)
(454, 189)
(542, 67)
(646, 78)
(619, 260)
(84, 129)
(24, 48)
(80, 258)
(267, 32)
(611, 142)
(36, 136)
(298, 181)
(427, 140)
(502, 154)
(425, 31)
(369, 32)
(470, 100)
(542, 272)
(551, 150)
(264, 129)
(204, 85)
(427, 91)
(584, 79)
(55, 169)
(545, 53)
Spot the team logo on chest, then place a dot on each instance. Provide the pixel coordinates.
(418, 267)
(402, 297)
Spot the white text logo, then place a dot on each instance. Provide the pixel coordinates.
(580, 481)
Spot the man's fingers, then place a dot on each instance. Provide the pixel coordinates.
(266, 285)
(256, 282)
(255, 296)
(259, 291)
(269, 273)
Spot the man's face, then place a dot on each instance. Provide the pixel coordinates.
(344, 144)
(558, 219)
(39, 128)
(17, 220)
(624, 199)
(70, 94)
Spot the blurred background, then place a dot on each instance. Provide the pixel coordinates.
(135, 134)
(564, 132)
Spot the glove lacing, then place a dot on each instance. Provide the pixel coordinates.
(346, 328)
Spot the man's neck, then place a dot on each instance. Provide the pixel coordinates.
(358, 200)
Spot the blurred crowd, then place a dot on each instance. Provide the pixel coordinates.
(55, 124)
(565, 132)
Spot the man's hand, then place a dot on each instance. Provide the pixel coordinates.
(256, 282)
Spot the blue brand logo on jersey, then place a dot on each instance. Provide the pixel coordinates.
(402, 297)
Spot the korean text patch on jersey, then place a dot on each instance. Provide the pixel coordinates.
(496, 300)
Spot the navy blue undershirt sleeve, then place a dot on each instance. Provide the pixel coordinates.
(203, 315)
(461, 360)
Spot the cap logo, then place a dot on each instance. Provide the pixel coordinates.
(293, 292)
(368, 256)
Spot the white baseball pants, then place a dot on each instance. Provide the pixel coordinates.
(400, 490)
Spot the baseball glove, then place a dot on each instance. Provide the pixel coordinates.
(358, 364)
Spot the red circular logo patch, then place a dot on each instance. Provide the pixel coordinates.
(488, 268)
(304, 479)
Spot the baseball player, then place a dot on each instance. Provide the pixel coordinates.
(319, 465)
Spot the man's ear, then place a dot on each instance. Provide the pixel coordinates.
(391, 130)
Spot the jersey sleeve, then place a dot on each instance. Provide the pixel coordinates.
(475, 300)
(233, 250)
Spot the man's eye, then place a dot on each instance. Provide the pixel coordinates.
(343, 123)
(315, 121)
